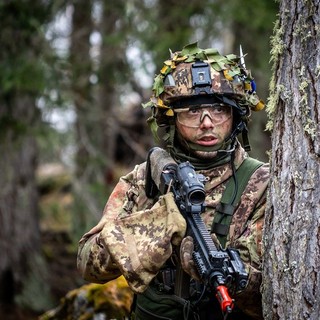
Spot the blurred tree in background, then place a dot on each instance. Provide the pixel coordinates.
(24, 58)
(73, 76)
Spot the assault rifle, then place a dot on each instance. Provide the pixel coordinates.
(219, 269)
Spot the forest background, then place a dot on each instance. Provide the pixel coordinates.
(73, 76)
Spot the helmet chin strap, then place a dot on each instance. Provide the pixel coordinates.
(241, 127)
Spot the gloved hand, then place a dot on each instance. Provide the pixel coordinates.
(187, 263)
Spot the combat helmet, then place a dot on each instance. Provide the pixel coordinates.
(197, 76)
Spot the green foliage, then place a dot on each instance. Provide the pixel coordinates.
(25, 54)
(20, 42)
(258, 14)
(163, 25)
(21, 75)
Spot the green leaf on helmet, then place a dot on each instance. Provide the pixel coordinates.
(218, 65)
(212, 52)
(232, 57)
(154, 128)
(149, 104)
(158, 86)
(191, 49)
(190, 59)
(234, 72)
(201, 55)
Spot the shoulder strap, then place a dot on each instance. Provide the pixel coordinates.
(231, 198)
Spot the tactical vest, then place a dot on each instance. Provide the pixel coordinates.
(158, 302)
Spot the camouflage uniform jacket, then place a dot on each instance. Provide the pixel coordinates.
(136, 235)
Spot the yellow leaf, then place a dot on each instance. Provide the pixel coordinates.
(170, 113)
(179, 58)
(168, 63)
(164, 69)
(247, 86)
(259, 106)
(227, 75)
(160, 104)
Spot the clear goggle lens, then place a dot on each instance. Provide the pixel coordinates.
(193, 116)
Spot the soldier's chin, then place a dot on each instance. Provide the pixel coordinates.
(206, 155)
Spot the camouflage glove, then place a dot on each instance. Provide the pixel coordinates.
(140, 243)
(186, 251)
(187, 263)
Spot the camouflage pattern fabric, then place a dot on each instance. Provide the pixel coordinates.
(135, 236)
(182, 76)
(145, 241)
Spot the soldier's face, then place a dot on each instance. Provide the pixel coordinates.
(206, 134)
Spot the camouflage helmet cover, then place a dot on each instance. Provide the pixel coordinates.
(176, 81)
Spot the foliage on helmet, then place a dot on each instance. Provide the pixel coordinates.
(227, 75)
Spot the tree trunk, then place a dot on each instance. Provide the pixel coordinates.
(113, 74)
(88, 158)
(81, 65)
(19, 237)
(292, 256)
(20, 79)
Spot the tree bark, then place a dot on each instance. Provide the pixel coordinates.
(292, 256)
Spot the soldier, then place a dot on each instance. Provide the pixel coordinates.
(201, 102)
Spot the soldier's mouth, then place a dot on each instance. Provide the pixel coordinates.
(207, 140)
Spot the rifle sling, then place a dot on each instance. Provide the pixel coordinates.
(225, 209)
